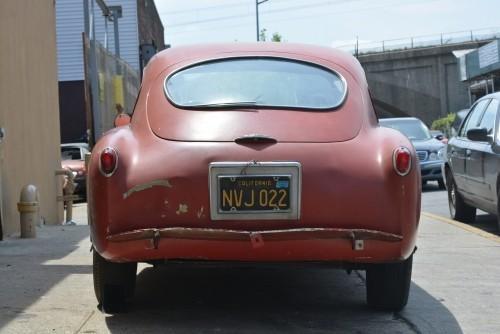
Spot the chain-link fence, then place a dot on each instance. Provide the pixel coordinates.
(422, 41)
(118, 85)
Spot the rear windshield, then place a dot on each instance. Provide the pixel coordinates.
(248, 82)
(413, 129)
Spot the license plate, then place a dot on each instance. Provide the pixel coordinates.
(256, 190)
(254, 193)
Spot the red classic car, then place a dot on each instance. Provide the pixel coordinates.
(264, 152)
(73, 158)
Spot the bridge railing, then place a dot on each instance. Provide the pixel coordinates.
(422, 41)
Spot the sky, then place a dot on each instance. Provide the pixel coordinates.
(326, 22)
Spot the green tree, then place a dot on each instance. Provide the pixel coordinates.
(263, 35)
(444, 124)
(277, 37)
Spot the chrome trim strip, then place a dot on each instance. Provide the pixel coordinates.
(268, 235)
(424, 154)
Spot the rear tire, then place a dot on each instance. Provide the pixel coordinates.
(388, 285)
(459, 210)
(114, 283)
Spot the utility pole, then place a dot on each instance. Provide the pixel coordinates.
(257, 3)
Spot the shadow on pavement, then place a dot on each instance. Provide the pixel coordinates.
(486, 222)
(29, 268)
(432, 186)
(188, 299)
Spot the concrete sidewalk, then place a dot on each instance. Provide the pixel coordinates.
(46, 287)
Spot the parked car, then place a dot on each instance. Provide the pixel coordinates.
(472, 167)
(73, 158)
(429, 149)
(459, 118)
(262, 152)
(439, 136)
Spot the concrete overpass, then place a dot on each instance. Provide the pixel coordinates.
(420, 82)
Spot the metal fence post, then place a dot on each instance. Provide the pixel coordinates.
(86, 16)
(94, 80)
(117, 34)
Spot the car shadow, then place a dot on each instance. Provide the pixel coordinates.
(439, 199)
(189, 299)
(431, 186)
(486, 222)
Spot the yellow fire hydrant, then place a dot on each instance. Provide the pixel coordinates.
(29, 211)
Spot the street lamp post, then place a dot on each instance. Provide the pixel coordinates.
(257, 3)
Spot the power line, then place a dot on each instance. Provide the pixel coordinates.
(231, 17)
(209, 8)
(395, 4)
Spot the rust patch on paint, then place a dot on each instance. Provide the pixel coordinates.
(148, 185)
(199, 214)
(183, 208)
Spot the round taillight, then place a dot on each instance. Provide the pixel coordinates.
(108, 161)
(401, 161)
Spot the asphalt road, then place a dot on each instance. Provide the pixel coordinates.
(435, 201)
(46, 287)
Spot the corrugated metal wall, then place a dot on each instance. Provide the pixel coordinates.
(69, 28)
(128, 30)
(70, 25)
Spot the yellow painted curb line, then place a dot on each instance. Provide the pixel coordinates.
(463, 226)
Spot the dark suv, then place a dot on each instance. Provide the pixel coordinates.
(472, 166)
(429, 149)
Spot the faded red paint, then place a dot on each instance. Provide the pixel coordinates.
(348, 179)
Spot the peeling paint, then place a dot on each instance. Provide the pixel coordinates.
(148, 185)
(200, 212)
(183, 208)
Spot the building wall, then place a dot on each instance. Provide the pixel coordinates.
(150, 27)
(70, 25)
(30, 151)
(69, 28)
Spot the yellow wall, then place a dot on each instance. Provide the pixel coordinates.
(29, 110)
